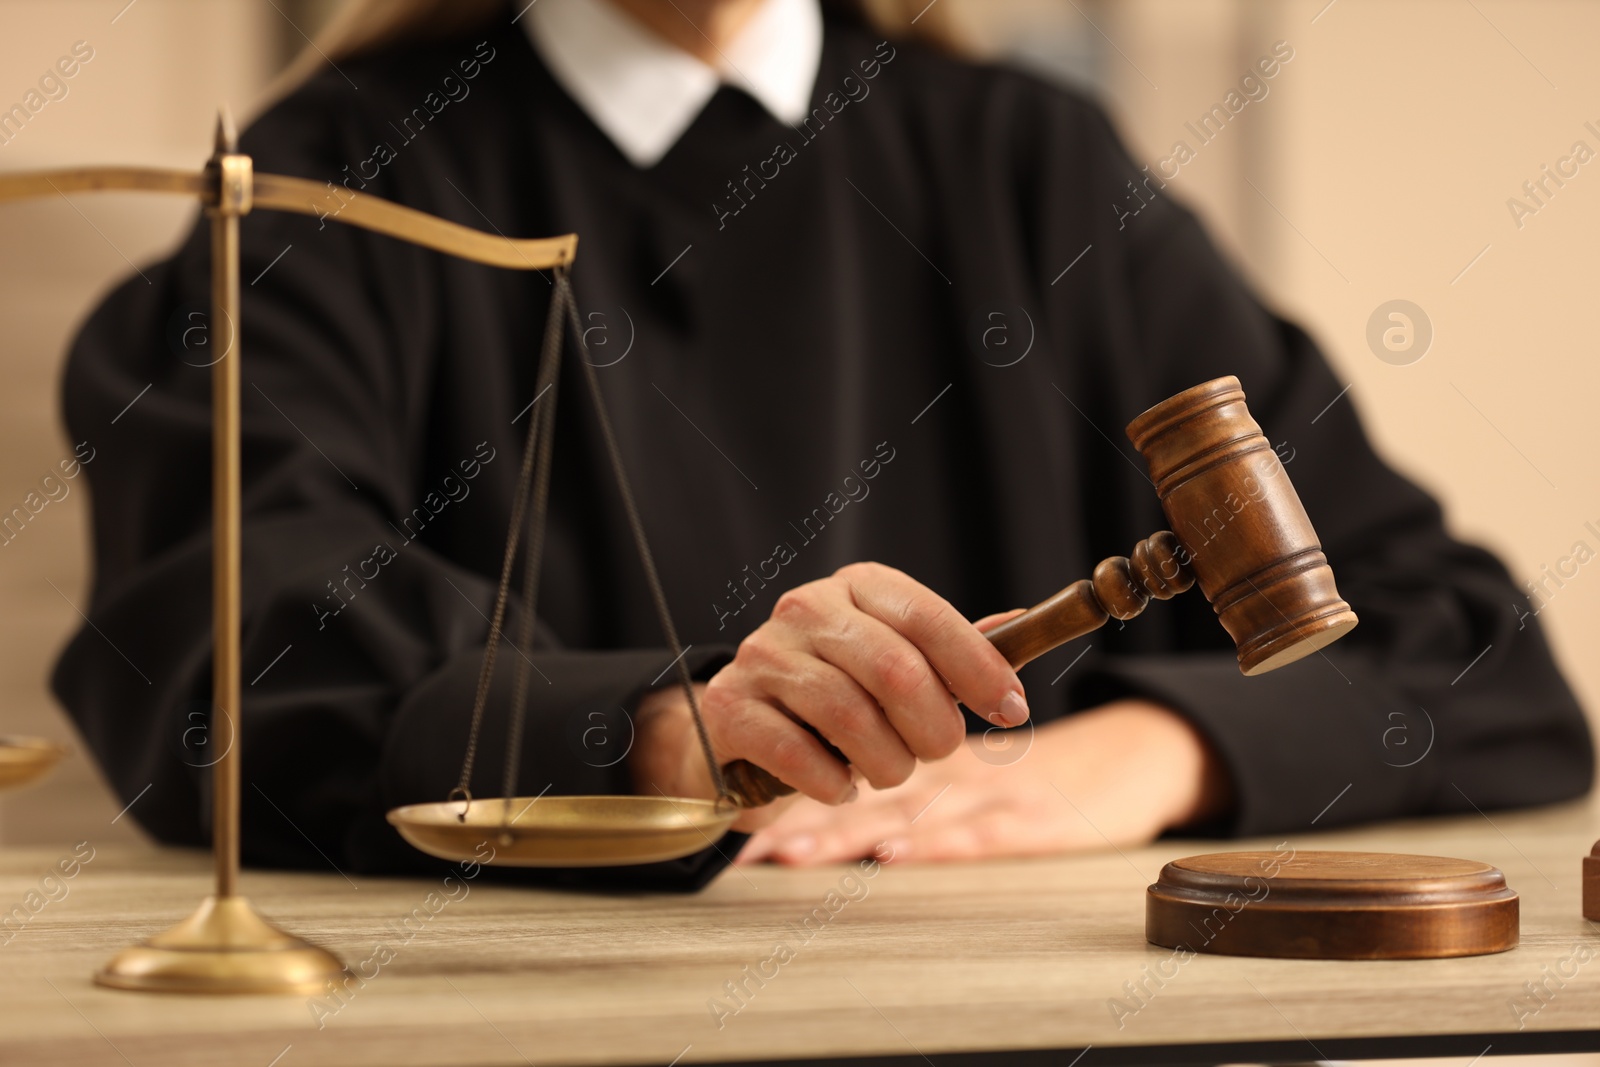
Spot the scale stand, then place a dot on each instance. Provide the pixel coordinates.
(225, 946)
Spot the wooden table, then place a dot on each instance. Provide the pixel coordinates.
(948, 965)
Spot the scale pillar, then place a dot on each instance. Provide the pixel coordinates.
(225, 947)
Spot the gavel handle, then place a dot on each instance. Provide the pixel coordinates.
(1121, 587)
(1067, 615)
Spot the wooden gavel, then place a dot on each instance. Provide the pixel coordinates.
(1243, 536)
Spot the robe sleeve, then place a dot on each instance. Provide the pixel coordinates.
(361, 642)
(1445, 699)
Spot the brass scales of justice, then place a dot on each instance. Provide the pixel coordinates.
(1200, 445)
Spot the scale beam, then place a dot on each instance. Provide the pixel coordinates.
(418, 227)
(300, 196)
(37, 183)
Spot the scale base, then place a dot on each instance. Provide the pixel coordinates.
(24, 760)
(224, 947)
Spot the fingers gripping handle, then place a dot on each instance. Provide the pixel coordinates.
(1121, 587)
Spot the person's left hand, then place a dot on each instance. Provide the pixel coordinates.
(1115, 775)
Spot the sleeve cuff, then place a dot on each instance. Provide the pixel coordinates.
(1317, 742)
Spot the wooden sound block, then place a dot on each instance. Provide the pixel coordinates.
(1331, 906)
(1591, 883)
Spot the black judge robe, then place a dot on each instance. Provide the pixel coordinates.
(855, 340)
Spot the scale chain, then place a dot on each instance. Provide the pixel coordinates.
(548, 385)
(519, 502)
(530, 506)
(663, 614)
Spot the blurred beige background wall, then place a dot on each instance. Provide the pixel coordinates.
(148, 95)
(1379, 168)
(1376, 168)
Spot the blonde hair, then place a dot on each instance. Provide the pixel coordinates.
(362, 27)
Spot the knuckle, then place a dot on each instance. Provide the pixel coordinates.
(851, 720)
(927, 615)
(902, 673)
(733, 724)
(790, 755)
(717, 701)
(723, 706)
(865, 575)
(858, 570)
(798, 606)
(757, 651)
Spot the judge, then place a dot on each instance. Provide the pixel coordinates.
(868, 319)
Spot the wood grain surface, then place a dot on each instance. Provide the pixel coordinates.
(912, 961)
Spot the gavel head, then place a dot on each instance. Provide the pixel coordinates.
(1243, 531)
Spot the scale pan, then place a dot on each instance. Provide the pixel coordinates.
(581, 831)
(24, 760)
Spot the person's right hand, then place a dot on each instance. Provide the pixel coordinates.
(871, 659)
